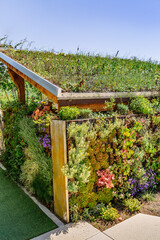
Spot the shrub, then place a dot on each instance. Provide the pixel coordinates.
(37, 169)
(144, 181)
(156, 104)
(24, 157)
(141, 105)
(109, 105)
(85, 113)
(147, 196)
(87, 214)
(105, 178)
(97, 209)
(109, 213)
(132, 204)
(122, 108)
(13, 156)
(68, 113)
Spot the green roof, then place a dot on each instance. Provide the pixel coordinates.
(85, 73)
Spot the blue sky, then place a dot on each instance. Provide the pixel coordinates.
(96, 26)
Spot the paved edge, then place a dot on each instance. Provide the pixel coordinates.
(57, 230)
(1, 166)
(42, 207)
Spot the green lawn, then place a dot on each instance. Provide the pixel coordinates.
(20, 217)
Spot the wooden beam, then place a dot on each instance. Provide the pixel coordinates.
(94, 104)
(59, 159)
(96, 101)
(19, 82)
(32, 82)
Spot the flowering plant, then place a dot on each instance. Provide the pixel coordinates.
(105, 178)
(143, 183)
(45, 141)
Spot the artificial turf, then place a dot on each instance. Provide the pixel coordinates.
(20, 217)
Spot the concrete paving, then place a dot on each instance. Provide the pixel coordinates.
(79, 231)
(138, 227)
(74, 231)
(99, 236)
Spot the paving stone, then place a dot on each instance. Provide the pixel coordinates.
(138, 227)
(79, 231)
(99, 236)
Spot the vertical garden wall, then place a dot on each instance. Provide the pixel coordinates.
(109, 160)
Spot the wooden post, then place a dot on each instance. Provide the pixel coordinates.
(19, 82)
(59, 158)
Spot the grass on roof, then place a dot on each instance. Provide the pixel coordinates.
(20, 217)
(84, 73)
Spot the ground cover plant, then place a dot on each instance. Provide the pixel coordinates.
(86, 73)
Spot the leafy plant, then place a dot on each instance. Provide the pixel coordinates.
(122, 108)
(109, 213)
(74, 213)
(68, 113)
(145, 181)
(87, 214)
(98, 208)
(141, 105)
(147, 196)
(13, 156)
(76, 168)
(132, 204)
(37, 169)
(109, 105)
(105, 178)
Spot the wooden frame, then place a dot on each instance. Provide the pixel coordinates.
(59, 159)
(19, 82)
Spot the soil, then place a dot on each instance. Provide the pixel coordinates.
(148, 207)
(152, 207)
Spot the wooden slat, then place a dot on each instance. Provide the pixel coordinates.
(59, 159)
